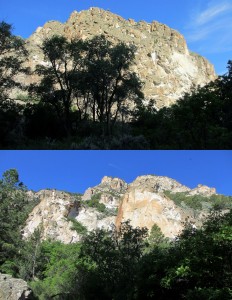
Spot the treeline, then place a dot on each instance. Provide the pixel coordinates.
(88, 98)
(123, 263)
(199, 120)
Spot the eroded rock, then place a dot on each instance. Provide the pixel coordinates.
(13, 288)
(163, 61)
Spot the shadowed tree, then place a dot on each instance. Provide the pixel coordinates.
(110, 82)
(60, 76)
(94, 75)
(12, 57)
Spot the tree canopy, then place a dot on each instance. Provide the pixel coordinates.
(91, 75)
(118, 263)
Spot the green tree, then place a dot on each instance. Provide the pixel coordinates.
(57, 275)
(109, 81)
(201, 265)
(93, 76)
(12, 57)
(156, 238)
(59, 79)
(200, 119)
(14, 208)
(115, 256)
(30, 262)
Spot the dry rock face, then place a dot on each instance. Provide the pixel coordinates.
(55, 209)
(50, 215)
(163, 61)
(203, 190)
(13, 288)
(145, 205)
(110, 191)
(143, 202)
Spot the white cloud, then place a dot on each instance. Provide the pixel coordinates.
(114, 166)
(211, 24)
(208, 31)
(212, 12)
(215, 28)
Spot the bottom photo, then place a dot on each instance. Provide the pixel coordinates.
(115, 225)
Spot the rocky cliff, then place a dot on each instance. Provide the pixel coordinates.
(146, 201)
(163, 60)
(145, 204)
(13, 288)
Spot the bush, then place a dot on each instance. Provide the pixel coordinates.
(78, 227)
(195, 201)
(94, 202)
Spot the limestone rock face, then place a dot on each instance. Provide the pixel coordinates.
(163, 61)
(50, 215)
(203, 190)
(158, 184)
(55, 209)
(13, 288)
(143, 202)
(145, 205)
(110, 191)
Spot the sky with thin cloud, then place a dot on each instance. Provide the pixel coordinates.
(75, 171)
(209, 30)
(206, 24)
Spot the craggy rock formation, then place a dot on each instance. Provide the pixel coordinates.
(143, 202)
(50, 215)
(13, 288)
(163, 61)
(203, 190)
(110, 190)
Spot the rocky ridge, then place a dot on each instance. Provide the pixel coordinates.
(143, 202)
(163, 61)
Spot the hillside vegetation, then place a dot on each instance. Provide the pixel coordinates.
(123, 263)
(198, 201)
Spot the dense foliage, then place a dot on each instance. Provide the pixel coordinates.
(81, 102)
(15, 206)
(197, 201)
(12, 56)
(94, 202)
(199, 120)
(119, 263)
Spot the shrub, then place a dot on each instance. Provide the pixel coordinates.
(78, 227)
(195, 201)
(94, 202)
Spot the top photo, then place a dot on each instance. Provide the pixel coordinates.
(114, 75)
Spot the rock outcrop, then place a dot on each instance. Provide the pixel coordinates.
(144, 202)
(203, 190)
(157, 184)
(56, 210)
(110, 190)
(163, 61)
(13, 288)
(51, 216)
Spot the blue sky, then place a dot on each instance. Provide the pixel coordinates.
(206, 24)
(75, 171)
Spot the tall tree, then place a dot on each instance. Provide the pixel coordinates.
(60, 77)
(92, 74)
(114, 255)
(14, 208)
(110, 82)
(12, 57)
